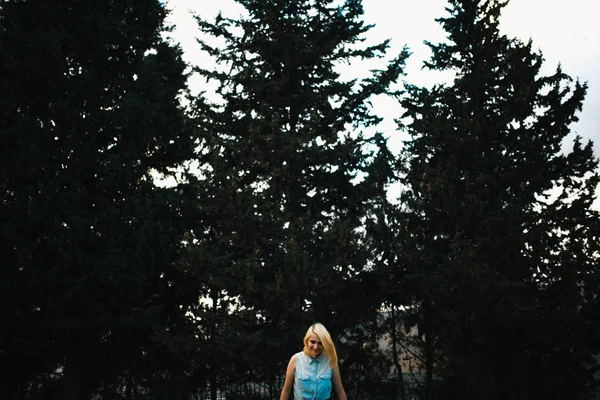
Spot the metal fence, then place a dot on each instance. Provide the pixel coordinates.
(387, 390)
(176, 389)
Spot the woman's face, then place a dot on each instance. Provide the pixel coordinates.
(314, 344)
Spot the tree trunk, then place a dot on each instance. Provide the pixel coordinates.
(75, 385)
(394, 337)
(129, 388)
(213, 387)
(428, 355)
(213, 378)
(80, 370)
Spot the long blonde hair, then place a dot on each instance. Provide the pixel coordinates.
(328, 346)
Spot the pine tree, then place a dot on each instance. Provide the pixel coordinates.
(89, 108)
(284, 181)
(499, 235)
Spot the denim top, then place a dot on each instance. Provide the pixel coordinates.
(312, 378)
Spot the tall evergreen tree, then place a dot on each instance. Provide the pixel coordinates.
(500, 238)
(88, 109)
(284, 181)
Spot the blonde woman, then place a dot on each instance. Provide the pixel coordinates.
(312, 372)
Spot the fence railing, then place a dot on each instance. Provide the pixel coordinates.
(387, 390)
(177, 389)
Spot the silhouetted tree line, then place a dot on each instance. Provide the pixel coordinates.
(285, 205)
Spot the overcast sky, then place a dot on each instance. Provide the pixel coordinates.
(566, 31)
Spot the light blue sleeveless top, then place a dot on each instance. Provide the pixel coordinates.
(312, 379)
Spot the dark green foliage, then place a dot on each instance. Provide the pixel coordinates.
(88, 108)
(286, 179)
(503, 256)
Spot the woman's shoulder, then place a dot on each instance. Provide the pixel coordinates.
(301, 358)
(296, 360)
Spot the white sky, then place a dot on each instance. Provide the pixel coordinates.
(566, 31)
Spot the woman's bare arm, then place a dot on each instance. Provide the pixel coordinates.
(289, 379)
(336, 379)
